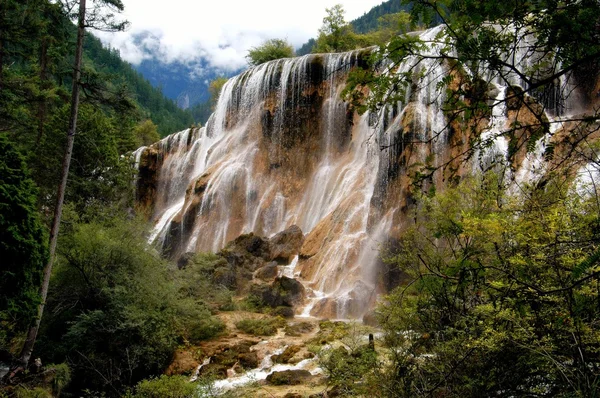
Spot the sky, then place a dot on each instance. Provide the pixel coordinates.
(219, 31)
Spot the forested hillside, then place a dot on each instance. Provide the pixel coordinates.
(150, 101)
(369, 22)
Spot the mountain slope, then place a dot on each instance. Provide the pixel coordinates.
(368, 22)
(151, 101)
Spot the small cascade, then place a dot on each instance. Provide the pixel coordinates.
(282, 148)
(198, 369)
(493, 151)
(265, 368)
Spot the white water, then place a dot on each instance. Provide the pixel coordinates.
(262, 373)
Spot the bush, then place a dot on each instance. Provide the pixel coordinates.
(204, 329)
(497, 288)
(114, 309)
(62, 377)
(270, 50)
(37, 392)
(165, 387)
(260, 327)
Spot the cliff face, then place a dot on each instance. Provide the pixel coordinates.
(283, 149)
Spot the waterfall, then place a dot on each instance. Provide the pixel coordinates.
(282, 148)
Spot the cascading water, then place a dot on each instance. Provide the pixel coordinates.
(283, 149)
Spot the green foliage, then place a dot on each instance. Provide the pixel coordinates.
(260, 327)
(335, 35)
(99, 176)
(195, 280)
(375, 27)
(165, 387)
(491, 300)
(330, 331)
(114, 308)
(270, 50)
(22, 244)
(62, 377)
(350, 373)
(37, 392)
(146, 133)
(371, 21)
(201, 112)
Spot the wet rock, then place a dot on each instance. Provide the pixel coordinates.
(225, 276)
(299, 328)
(248, 360)
(283, 291)
(249, 251)
(267, 273)
(183, 363)
(215, 370)
(240, 353)
(291, 291)
(148, 171)
(265, 295)
(286, 355)
(370, 319)
(284, 312)
(514, 97)
(289, 377)
(286, 244)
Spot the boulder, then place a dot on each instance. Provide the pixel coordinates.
(286, 244)
(248, 360)
(214, 370)
(284, 312)
(291, 291)
(283, 291)
(268, 272)
(286, 355)
(289, 377)
(229, 356)
(296, 329)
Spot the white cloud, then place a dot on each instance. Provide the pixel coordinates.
(221, 31)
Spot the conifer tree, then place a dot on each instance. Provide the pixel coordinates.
(100, 16)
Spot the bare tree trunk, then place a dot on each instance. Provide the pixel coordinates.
(32, 334)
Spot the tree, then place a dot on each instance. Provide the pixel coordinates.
(116, 310)
(335, 35)
(500, 294)
(270, 50)
(146, 133)
(97, 18)
(22, 244)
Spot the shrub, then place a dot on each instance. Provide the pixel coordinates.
(165, 387)
(260, 327)
(270, 50)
